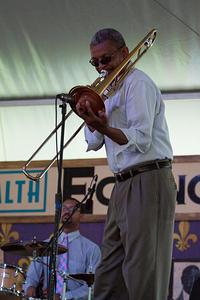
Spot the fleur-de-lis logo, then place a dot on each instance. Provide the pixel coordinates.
(24, 263)
(184, 237)
(7, 234)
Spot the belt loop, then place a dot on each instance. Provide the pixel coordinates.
(131, 172)
(157, 164)
(120, 177)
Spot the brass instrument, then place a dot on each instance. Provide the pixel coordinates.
(96, 91)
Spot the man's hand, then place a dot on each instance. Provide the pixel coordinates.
(95, 122)
(100, 123)
(30, 292)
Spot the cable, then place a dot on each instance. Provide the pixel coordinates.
(179, 19)
(56, 123)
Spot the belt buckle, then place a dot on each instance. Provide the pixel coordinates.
(119, 176)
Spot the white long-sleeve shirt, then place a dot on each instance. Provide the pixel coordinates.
(137, 109)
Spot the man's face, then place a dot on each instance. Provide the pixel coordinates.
(67, 209)
(106, 49)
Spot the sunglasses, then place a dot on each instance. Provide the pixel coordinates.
(71, 208)
(104, 60)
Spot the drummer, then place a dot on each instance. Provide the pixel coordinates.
(83, 256)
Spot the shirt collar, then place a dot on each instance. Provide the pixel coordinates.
(71, 236)
(116, 79)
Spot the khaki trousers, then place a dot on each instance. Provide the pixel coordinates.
(138, 238)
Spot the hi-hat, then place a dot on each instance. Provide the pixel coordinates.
(33, 248)
(89, 277)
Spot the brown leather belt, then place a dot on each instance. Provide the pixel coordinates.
(154, 165)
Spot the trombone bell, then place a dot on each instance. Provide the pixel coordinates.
(82, 94)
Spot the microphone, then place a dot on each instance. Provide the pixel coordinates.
(67, 98)
(88, 204)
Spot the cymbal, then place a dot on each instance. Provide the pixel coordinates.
(89, 277)
(26, 248)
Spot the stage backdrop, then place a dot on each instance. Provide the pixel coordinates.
(27, 209)
(20, 196)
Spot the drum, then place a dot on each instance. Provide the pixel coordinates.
(11, 280)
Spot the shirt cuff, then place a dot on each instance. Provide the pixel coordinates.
(130, 146)
(97, 134)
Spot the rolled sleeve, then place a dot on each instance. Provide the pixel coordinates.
(95, 140)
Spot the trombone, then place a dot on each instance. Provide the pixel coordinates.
(95, 92)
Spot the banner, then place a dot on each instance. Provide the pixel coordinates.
(21, 196)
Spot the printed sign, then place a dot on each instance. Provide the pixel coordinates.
(187, 176)
(19, 195)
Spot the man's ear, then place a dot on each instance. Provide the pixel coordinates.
(125, 51)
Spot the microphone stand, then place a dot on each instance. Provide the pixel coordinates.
(58, 208)
(65, 98)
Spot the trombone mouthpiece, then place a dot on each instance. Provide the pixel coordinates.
(103, 74)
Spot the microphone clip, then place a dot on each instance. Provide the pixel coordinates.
(66, 98)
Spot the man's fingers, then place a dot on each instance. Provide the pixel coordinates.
(89, 109)
(101, 113)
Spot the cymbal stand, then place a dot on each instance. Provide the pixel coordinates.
(66, 276)
(89, 291)
(64, 286)
(89, 283)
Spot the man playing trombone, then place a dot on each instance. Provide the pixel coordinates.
(138, 236)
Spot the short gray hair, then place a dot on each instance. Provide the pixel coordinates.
(108, 34)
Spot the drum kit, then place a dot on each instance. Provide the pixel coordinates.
(12, 278)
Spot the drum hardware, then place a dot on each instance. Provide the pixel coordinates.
(88, 278)
(26, 248)
(13, 287)
(65, 277)
(11, 280)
